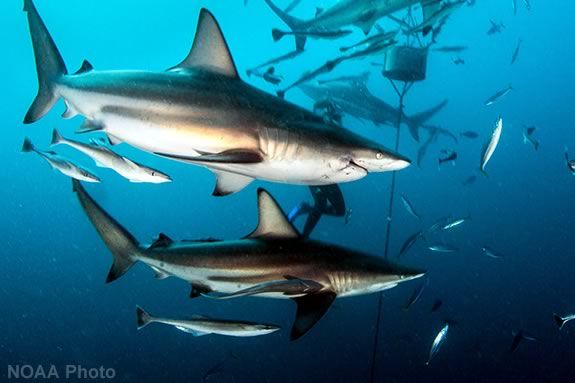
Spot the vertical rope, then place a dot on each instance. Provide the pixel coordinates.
(401, 94)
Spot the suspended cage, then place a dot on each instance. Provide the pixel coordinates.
(405, 63)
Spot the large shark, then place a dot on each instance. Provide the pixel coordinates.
(201, 112)
(271, 256)
(352, 96)
(363, 14)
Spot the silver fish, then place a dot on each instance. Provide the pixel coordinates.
(498, 95)
(200, 325)
(491, 145)
(455, 222)
(443, 248)
(438, 342)
(61, 164)
(409, 207)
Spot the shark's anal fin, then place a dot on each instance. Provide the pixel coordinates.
(228, 183)
(90, 126)
(199, 290)
(210, 50)
(273, 223)
(310, 309)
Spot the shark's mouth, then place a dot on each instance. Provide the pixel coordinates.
(355, 164)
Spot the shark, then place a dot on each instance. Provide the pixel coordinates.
(260, 263)
(201, 112)
(352, 96)
(362, 14)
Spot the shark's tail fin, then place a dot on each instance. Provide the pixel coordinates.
(119, 241)
(49, 65)
(277, 34)
(27, 145)
(292, 22)
(559, 321)
(417, 120)
(143, 317)
(56, 137)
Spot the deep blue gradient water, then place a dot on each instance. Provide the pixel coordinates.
(56, 308)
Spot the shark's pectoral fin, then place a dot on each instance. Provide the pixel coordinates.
(163, 241)
(190, 331)
(228, 183)
(310, 309)
(273, 223)
(159, 274)
(90, 126)
(210, 50)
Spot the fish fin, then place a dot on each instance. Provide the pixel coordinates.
(199, 290)
(89, 126)
(241, 156)
(119, 241)
(310, 309)
(56, 138)
(228, 183)
(85, 68)
(558, 321)
(27, 146)
(277, 34)
(159, 274)
(210, 50)
(70, 111)
(50, 66)
(273, 223)
(190, 331)
(292, 22)
(113, 140)
(161, 242)
(143, 318)
(366, 21)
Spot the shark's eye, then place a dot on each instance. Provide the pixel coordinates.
(379, 155)
(153, 174)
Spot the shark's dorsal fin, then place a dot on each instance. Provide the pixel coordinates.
(162, 241)
(273, 223)
(210, 50)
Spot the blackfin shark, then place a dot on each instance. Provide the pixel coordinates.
(200, 112)
(355, 98)
(273, 252)
(362, 14)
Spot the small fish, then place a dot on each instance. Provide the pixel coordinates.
(199, 326)
(436, 305)
(409, 207)
(490, 253)
(469, 134)
(458, 61)
(438, 224)
(443, 248)
(469, 180)
(371, 40)
(450, 155)
(217, 368)
(104, 157)
(278, 34)
(491, 145)
(498, 95)
(560, 321)
(570, 163)
(438, 342)
(495, 28)
(307, 76)
(455, 222)
(61, 164)
(289, 286)
(451, 49)
(409, 242)
(416, 294)
(516, 52)
(275, 60)
(528, 136)
(517, 338)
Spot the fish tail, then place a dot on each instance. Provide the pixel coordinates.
(27, 146)
(50, 66)
(292, 22)
(119, 241)
(143, 318)
(559, 321)
(56, 138)
(277, 34)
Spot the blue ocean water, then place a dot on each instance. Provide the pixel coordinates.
(57, 310)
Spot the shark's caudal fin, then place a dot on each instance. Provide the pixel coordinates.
(49, 65)
(210, 50)
(143, 317)
(56, 137)
(119, 241)
(415, 122)
(291, 22)
(559, 321)
(27, 146)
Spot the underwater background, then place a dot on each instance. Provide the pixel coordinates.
(56, 308)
